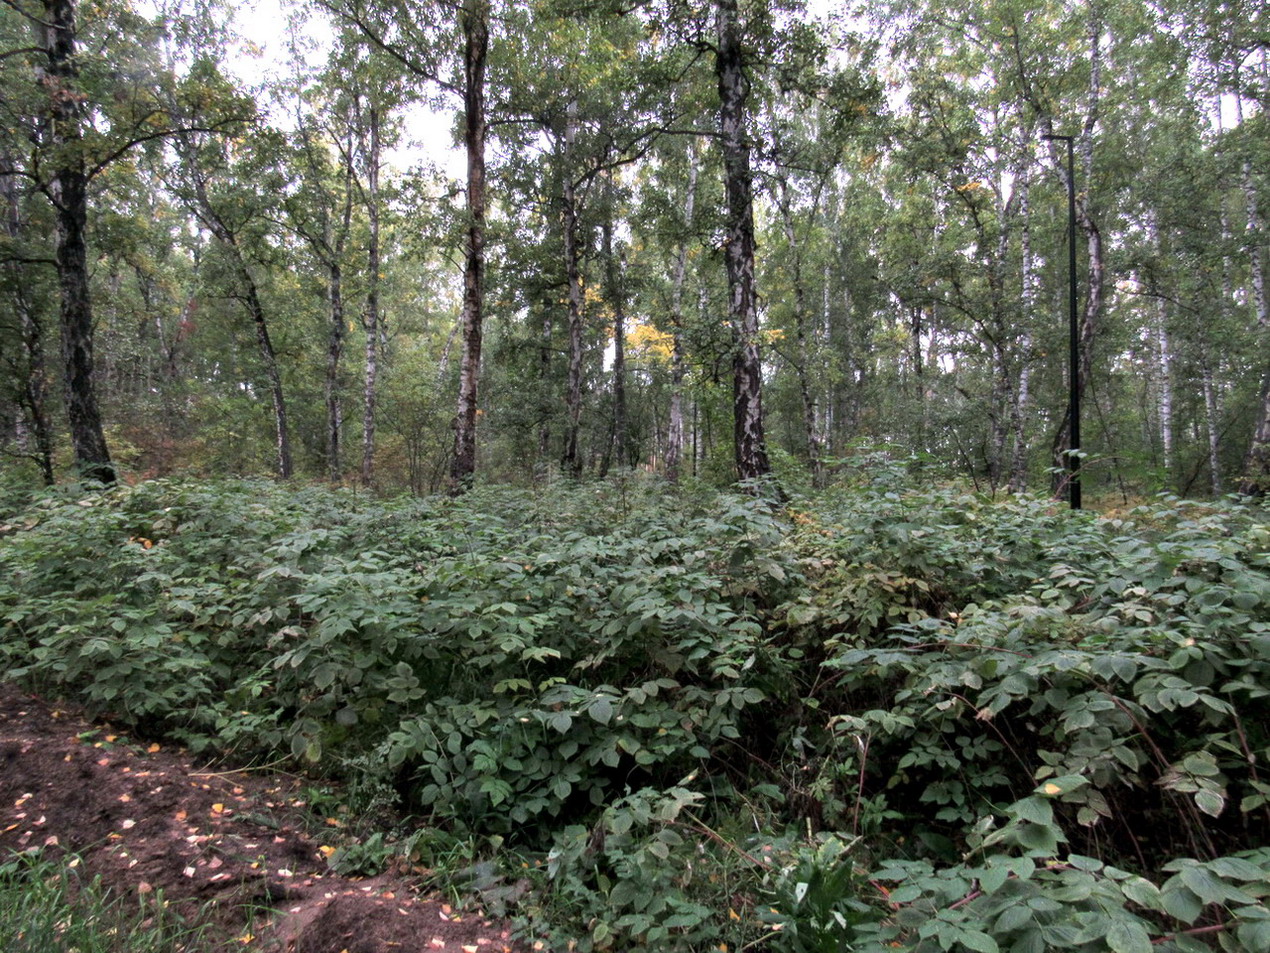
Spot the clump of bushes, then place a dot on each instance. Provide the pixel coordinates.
(883, 717)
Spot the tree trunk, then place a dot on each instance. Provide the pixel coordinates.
(802, 356)
(1019, 408)
(334, 352)
(675, 424)
(282, 432)
(544, 376)
(1090, 319)
(68, 191)
(34, 395)
(474, 17)
(370, 316)
(249, 295)
(570, 461)
(747, 369)
(1212, 420)
(337, 331)
(1256, 475)
(613, 275)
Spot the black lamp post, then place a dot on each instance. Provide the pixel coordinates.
(1073, 373)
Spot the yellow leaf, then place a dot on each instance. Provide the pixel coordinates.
(154, 748)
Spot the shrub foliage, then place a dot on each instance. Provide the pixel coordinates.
(877, 719)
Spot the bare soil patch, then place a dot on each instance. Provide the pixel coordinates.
(146, 819)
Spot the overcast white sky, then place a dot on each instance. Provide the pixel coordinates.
(265, 55)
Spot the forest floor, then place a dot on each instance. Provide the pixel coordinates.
(240, 848)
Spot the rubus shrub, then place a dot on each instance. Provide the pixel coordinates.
(881, 717)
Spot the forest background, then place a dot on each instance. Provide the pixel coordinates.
(201, 276)
(880, 702)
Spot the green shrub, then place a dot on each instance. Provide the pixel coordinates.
(676, 709)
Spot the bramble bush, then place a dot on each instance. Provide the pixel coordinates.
(884, 717)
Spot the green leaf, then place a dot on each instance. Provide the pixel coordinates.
(992, 879)
(1012, 918)
(561, 721)
(1128, 936)
(1038, 810)
(601, 709)
(1210, 889)
(1181, 903)
(1144, 893)
(1254, 936)
(978, 941)
(1236, 868)
(1055, 787)
(1210, 802)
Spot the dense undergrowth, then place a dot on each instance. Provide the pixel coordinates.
(882, 718)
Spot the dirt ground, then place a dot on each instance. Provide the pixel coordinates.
(146, 819)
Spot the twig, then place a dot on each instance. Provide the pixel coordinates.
(232, 771)
(1194, 931)
(701, 828)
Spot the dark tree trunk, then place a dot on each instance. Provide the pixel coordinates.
(474, 17)
(334, 353)
(370, 317)
(334, 253)
(545, 402)
(249, 295)
(570, 461)
(1256, 475)
(802, 356)
(282, 432)
(34, 395)
(747, 378)
(1090, 319)
(570, 458)
(68, 190)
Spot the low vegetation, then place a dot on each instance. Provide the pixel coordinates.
(876, 719)
(48, 907)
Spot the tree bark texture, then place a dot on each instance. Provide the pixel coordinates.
(614, 280)
(802, 356)
(570, 459)
(34, 394)
(68, 191)
(1256, 474)
(474, 18)
(370, 315)
(675, 425)
(747, 369)
(1030, 282)
(333, 391)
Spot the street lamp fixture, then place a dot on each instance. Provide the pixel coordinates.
(1073, 372)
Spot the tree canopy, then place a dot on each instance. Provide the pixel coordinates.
(727, 240)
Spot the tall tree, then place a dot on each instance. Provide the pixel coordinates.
(747, 367)
(231, 200)
(67, 190)
(474, 19)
